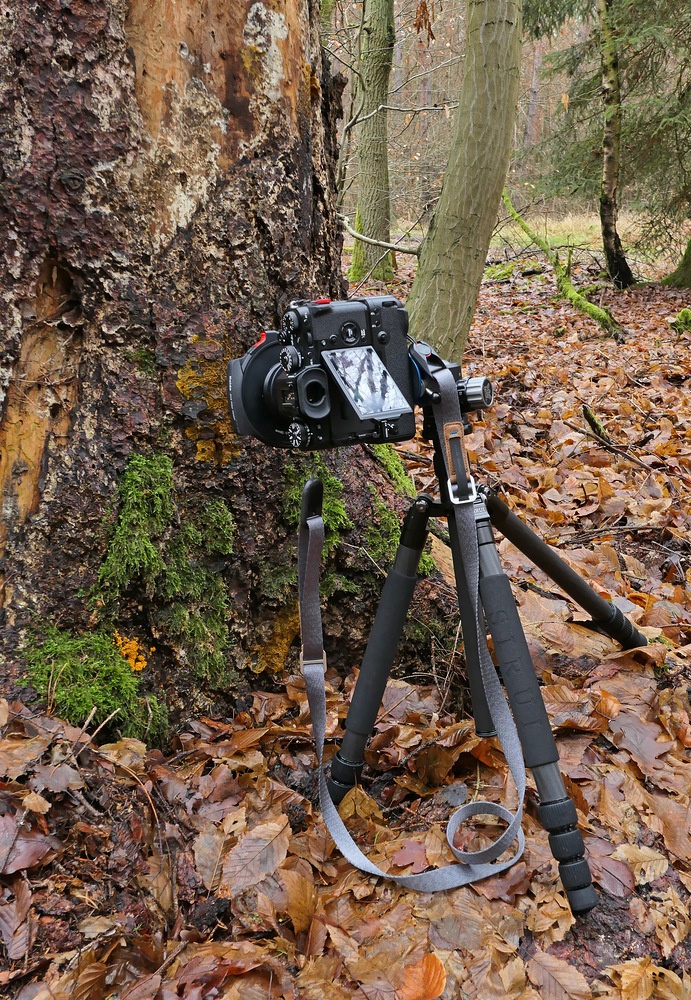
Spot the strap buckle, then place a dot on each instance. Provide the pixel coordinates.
(460, 501)
(312, 661)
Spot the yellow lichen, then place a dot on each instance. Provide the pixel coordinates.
(132, 651)
(200, 378)
(271, 655)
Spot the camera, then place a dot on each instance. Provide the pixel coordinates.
(339, 373)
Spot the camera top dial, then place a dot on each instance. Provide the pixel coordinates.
(290, 359)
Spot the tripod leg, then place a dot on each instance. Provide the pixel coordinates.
(557, 811)
(484, 726)
(395, 600)
(606, 616)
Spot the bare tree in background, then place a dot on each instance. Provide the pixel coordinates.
(373, 213)
(454, 251)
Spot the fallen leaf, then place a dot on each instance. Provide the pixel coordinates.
(16, 928)
(36, 803)
(411, 854)
(209, 849)
(556, 979)
(22, 847)
(425, 980)
(646, 864)
(258, 854)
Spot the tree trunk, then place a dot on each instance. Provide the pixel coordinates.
(454, 251)
(531, 130)
(167, 179)
(373, 214)
(617, 265)
(681, 276)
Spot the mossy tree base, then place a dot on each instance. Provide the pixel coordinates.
(681, 277)
(369, 261)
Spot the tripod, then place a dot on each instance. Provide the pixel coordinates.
(556, 810)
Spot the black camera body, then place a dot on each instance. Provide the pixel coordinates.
(336, 373)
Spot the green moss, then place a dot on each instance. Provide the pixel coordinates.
(500, 272)
(278, 580)
(145, 360)
(389, 523)
(682, 323)
(336, 520)
(178, 558)
(361, 267)
(394, 468)
(146, 508)
(384, 535)
(80, 672)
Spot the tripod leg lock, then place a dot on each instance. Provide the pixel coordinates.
(566, 843)
(344, 775)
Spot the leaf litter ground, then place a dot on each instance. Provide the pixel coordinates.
(207, 872)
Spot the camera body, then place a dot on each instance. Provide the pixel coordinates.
(336, 373)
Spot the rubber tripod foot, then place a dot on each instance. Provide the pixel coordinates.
(582, 900)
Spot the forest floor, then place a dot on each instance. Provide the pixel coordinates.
(206, 871)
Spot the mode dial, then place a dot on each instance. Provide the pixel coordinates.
(298, 434)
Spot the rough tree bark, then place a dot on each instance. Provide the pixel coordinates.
(166, 177)
(373, 214)
(444, 294)
(617, 265)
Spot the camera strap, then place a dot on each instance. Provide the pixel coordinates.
(473, 865)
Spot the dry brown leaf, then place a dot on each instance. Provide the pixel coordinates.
(91, 983)
(22, 847)
(158, 881)
(302, 898)
(35, 803)
(571, 709)
(425, 980)
(411, 855)
(17, 930)
(258, 854)
(640, 979)
(556, 979)
(646, 864)
(209, 849)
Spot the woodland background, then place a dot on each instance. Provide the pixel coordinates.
(174, 848)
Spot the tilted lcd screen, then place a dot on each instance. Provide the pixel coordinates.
(366, 382)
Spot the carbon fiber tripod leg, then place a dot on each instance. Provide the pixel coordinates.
(557, 811)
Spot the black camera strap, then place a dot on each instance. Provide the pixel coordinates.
(474, 865)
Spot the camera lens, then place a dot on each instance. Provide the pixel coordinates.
(350, 333)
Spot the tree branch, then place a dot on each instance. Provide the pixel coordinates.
(396, 247)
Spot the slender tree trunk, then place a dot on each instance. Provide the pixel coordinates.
(373, 214)
(617, 265)
(454, 251)
(532, 118)
(167, 183)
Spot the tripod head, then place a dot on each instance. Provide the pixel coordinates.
(473, 393)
